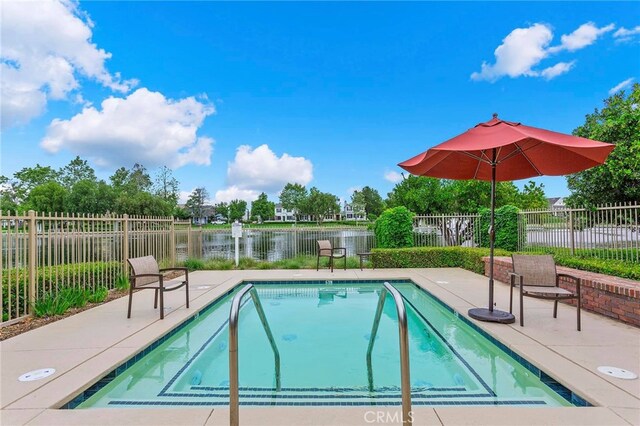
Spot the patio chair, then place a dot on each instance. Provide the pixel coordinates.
(145, 274)
(326, 250)
(537, 277)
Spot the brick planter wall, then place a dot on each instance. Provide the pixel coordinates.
(614, 297)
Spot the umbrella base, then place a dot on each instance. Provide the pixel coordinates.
(484, 314)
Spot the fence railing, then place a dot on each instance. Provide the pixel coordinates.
(43, 253)
(606, 232)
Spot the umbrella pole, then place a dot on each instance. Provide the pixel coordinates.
(492, 232)
(490, 314)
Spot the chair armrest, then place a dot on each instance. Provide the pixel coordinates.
(178, 268)
(571, 277)
(513, 276)
(342, 249)
(159, 276)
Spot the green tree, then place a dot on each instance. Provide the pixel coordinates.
(262, 209)
(196, 201)
(139, 179)
(144, 204)
(29, 177)
(370, 200)
(533, 197)
(119, 180)
(166, 186)
(394, 228)
(8, 198)
(48, 197)
(222, 209)
(320, 204)
(77, 170)
(237, 210)
(293, 197)
(83, 197)
(422, 195)
(618, 179)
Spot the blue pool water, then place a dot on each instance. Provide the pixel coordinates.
(322, 331)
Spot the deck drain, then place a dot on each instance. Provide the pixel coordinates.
(36, 374)
(618, 373)
(442, 282)
(203, 287)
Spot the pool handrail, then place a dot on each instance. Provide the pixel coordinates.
(405, 381)
(234, 391)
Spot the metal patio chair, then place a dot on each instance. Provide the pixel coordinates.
(145, 274)
(537, 277)
(326, 250)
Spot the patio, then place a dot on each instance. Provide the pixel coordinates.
(85, 347)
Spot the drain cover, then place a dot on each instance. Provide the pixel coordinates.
(36, 374)
(618, 373)
(203, 287)
(442, 282)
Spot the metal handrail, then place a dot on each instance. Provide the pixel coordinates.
(405, 381)
(234, 387)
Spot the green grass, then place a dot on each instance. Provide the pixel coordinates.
(333, 224)
(299, 262)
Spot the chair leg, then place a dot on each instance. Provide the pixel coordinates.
(130, 297)
(161, 304)
(511, 299)
(155, 299)
(318, 264)
(555, 308)
(579, 306)
(186, 288)
(345, 262)
(521, 308)
(331, 263)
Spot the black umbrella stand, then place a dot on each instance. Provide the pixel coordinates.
(490, 314)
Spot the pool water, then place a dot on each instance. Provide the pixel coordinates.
(322, 332)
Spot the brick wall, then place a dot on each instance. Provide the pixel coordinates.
(614, 297)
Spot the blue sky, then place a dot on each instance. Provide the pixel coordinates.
(243, 97)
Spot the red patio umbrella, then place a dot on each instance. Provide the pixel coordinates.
(501, 150)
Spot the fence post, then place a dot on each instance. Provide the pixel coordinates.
(572, 243)
(32, 260)
(189, 240)
(125, 240)
(172, 242)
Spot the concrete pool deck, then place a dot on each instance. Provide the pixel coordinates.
(85, 347)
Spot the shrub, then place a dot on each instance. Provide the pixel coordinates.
(506, 227)
(76, 297)
(99, 295)
(194, 264)
(432, 257)
(122, 283)
(394, 228)
(50, 305)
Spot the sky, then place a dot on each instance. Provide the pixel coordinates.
(241, 98)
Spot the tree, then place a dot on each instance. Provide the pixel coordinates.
(77, 170)
(119, 179)
(30, 177)
(195, 203)
(48, 197)
(139, 179)
(237, 210)
(320, 204)
(618, 179)
(533, 197)
(166, 186)
(370, 200)
(83, 197)
(222, 209)
(262, 208)
(144, 204)
(293, 197)
(422, 195)
(8, 198)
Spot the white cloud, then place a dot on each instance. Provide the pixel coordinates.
(234, 193)
(556, 70)
(585, 35)
(183, 196)
(144, 127)
(260, 169)
(521, 50)
(623, 35)
(525, 48)
(353, 189)
(620, 86)
(393, 177)
(45, 46)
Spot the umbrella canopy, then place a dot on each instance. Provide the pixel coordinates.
(500, 150)
(521, 152)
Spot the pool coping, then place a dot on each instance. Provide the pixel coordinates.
(38, 403)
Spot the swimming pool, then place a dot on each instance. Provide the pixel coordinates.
(322, 331)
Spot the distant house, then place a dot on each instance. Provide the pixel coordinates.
(283, 215)
(556, 204)
(350, 212)
(206, 215)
